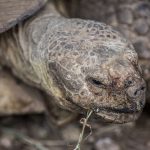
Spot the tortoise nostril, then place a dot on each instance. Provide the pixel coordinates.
(128, 83)
(142, 103)
(135, 91)
(138, 91)
(143, 88)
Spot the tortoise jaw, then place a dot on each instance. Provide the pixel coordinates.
(117, 116)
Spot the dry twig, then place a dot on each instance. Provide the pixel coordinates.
(78, 146)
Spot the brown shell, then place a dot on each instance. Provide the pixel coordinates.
(13, 11)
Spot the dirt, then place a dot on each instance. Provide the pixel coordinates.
(33, 132)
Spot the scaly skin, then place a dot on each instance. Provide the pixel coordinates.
(81, 64)
(131, 17)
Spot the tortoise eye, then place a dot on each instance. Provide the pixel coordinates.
(95, 82)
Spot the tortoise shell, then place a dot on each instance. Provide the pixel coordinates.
(14, 11)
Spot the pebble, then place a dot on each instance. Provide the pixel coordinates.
(112, 19)
(141, 26)
(143, 9)
(106, 144)
(142, 50)
(71, 133)
(125, 16)
(6, 141)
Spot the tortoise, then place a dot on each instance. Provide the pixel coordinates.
(81, 64)
(131, 18)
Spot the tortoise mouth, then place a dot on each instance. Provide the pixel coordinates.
(120, 110)
(114, 115)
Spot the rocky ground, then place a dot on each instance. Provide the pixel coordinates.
(32, 132)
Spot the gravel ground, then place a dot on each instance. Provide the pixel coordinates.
(33, 132)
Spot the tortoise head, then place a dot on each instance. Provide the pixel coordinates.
(95, 68)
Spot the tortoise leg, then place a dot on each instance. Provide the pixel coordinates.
(18, 98)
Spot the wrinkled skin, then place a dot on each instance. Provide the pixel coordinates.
(94, 67)
(130, 17)
(82, 65)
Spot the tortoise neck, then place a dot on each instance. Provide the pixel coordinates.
(7, 43)
(19, 46)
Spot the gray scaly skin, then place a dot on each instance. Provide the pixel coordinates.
(81, 64)
(131, 17)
